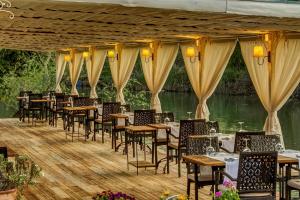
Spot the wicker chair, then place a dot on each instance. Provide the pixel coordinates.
(187, 128)
(196, 145)
(256, 176)
(104, 118)
(143, 117)
(56, 111)
(240, 137)
(263, 143)
(34, 109)
(22, 104)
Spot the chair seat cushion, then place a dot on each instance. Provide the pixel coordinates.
(119, 127)
(161, 140)
(294, 183)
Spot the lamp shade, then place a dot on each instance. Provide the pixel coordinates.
(85, 54)
(258, 51)
(67, 58)
(190, 52)
(146, 53)
(111, 54)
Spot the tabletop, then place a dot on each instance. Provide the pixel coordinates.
(20, 98)
(119, 116)
(41, 100)
(160, 126)
(208, 161)
(74, 108)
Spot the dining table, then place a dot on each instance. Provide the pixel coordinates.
(218, 163)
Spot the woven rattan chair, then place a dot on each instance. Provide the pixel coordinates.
(196, 145)
(263, 143)
(103, 119)
(56, 111)
(187, 128)
(240, 144)
(34, 109)
(256, 177)
(22, 104)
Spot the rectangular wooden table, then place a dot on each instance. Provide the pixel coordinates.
(69, 113)
(134, 134)
(217, 164)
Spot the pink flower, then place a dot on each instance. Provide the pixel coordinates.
(218, 194)
(227, 183)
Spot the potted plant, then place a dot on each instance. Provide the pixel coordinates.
(166, 196)
(16, 175)
(108, 195)
(229, 193)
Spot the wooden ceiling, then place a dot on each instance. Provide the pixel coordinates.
(49, 25)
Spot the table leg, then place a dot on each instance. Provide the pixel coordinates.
(168, 154)
(137, 159)
(155, 151)
(196, 180)
(126, 148)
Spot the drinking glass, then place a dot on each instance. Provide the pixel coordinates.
(123, 110)
(241, 126)
(189, 115)
(95, 103)
(279, 147)
(167, 120)
(212, 132)
(210, 150)
(246, 149)
(157, 119)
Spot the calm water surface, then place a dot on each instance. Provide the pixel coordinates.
(228, 110)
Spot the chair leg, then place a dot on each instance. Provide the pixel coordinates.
(178, 160)
(188, 190)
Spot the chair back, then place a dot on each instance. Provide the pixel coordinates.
(3, 151)
(257, 172)
(240, 137)
(110, 108)
(83, 101)
(197, 145)
(191, 127)
(144, 117)
(58, 101)
(263, 143)
(21, 94)
(34, 97)
(212, 124)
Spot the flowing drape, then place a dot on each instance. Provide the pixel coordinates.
(75, 67)
(94, 66)
(274, 82)
(60, 69)
(205, 74)
(121, 69)
(156, 70)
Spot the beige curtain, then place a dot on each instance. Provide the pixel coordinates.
(274, 82)
(94, 66)
(60, 69)
(205, 74)
(156, 70)
(121, 69)
(75, 67)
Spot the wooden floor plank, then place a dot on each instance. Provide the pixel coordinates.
(78, 170)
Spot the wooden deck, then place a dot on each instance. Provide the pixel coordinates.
(78, 170)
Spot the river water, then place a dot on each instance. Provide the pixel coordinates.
(228, 110)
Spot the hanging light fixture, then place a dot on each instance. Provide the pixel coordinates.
(86, 54)
(191, 53)
(112, 55)
(258, 51)
(68, 58)
(147, 54)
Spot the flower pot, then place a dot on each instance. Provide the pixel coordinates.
(8, 194)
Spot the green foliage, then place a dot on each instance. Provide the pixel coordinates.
(25, 71)
(19, 174)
